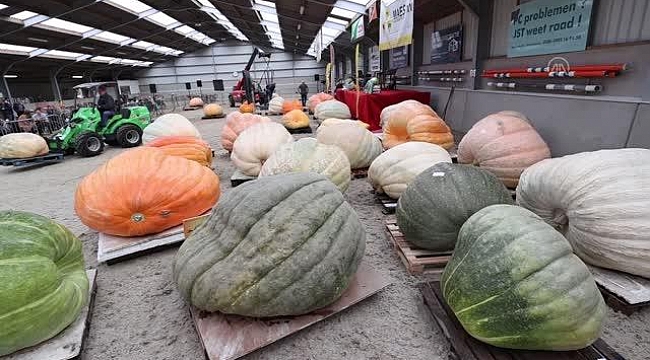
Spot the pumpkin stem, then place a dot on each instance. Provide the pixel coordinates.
(137, 217)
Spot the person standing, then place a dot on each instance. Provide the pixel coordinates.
(304, 90)
(105, 105)
(19, 108)
(7, 110)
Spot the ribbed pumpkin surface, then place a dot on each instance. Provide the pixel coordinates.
(413, 121)
(143, 191)
(359, 144)
(439, 200)
(169, 125)
(22, 145)
(307, 155)
(504, 144)
(392, 171)
(295, 119)
(275, 105)
(43, 284)
(237, 122)
(316, 99)
(333, 121)
(213, 110)
(256, 144)
(514, 282)
(196, 102)
(332, 109)
(600, 200)
(280, 245)
(290, 105)
(186, 147)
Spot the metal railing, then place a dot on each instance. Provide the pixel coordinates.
(43, 126)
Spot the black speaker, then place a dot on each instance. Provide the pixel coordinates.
(218, 85)
(199, 83)
(188, 86)
(152, 88)
(316, 77)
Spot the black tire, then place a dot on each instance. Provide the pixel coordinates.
(231, 100)
(89, 144)
(128, 136)
(111, 142)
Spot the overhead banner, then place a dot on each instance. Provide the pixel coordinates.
(372, 12)
(549, 27)
(399, 57)
(357, 30)
(396, 20)
(447, 45)
(374, 59)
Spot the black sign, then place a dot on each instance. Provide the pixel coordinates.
(188, 86)
(217, 85)
(199, 83)
(447, 45)
(152, 88)
(399, 57)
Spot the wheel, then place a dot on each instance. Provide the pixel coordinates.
(89, 144)
(111, 142)
(128, 136)
(231, 100)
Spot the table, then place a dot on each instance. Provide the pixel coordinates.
(371, 105)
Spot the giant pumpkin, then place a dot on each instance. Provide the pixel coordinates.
(332, 109)
(290, 105)
(600, 201)
(505, 144)
(295, 119)
(441, 198)
(237, 122)
(256, 144)
(22, 145)
(308, 155)
(333, 121)
(392, 171)
(143, 191)
(278, 246)
(187, 147)
(196, 102)
(413, 121)
(213, 110)
(247, 107)
(43, 283)
(359, 144)
(514, 282)
(275, 105)
(169, 125)
(316, 99)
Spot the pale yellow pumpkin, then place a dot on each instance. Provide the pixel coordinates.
(334, 121)
(213, 110)
(169, 125)
(359, 144)
(22, 145)
(256, 144)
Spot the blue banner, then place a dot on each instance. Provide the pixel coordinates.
(549, 27)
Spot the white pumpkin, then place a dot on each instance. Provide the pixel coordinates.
(332, 109)
(22, 145)
(169, 125)
(196, 102)
(393, 170)
(333, 121)
(307, 155)
(256, 144)
(275, 105)
(600, 201)
(359, 144)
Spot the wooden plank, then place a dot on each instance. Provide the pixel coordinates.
(466, 347)
(191, 224)
(304, 130)
(68, 343)
(238, 178)
(112, 249)
(415, 260)
(227, 337)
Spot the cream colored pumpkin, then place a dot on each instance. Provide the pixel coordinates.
(504, 144)
(213, 110)
(393, 170)
(169, 125)
(333, 121)
(600, 201)
(332, 109)
(359, 144)
(22, 145)
(196, 102)
(256, 144)
(308, 155)
(275, 105)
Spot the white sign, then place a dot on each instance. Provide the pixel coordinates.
(396, 24)
(374, 57)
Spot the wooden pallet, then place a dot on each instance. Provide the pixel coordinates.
(49, 158)
(388, 204)
(622, 292)
(304, 130)
(228, 337)
(113, 249)
(465, 347)
(453, 153)
(191, 224)
(238, 178)
(68, 343)
(416, 260)
(205, 117)
(359, 173)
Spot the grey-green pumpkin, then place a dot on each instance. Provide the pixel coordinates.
(514, 282)
(43, 285)
(440, 199)
(280, 245)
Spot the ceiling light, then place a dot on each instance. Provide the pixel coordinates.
(3, 6)
(37, 39)
(64, 26)
(299, 26)
(132, 6)
(77, 76)
(302, 9)
(87, 47)
(11, 76)
(23, 15)
(58, 54)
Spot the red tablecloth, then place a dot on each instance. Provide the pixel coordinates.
(371, 105)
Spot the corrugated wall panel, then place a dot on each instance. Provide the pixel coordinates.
(621, 21)
(501, 27)
(470, 26)
(426, 43)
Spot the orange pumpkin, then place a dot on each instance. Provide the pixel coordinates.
(237, 122)
(289, 105)
(413, 121)
(295, 119)
(247, 107)
(316, 99)
(504, 144)
(187, 147)
(143, 191)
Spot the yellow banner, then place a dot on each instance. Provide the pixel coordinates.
(395, 24)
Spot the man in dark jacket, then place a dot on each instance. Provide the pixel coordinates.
(304, 90)
(7, 110)
(105, 105)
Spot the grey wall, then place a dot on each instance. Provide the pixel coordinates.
(220, 61)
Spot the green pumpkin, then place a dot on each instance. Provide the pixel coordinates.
(280, 245)
(514, 282)
(43, 284)
(441, 198)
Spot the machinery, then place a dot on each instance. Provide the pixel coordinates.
(247, 89)
(83, 133)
